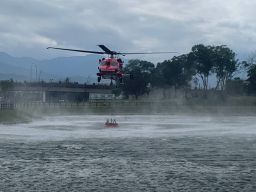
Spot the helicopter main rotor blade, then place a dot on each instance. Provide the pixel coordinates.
(107, 50)
(77, 50)
(120, 53)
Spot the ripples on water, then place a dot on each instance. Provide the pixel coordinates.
(146, 153)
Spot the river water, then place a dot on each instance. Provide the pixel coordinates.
(145, 153)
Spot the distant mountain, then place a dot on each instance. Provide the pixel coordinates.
(72, 67)
(19, 61)
(77, 68)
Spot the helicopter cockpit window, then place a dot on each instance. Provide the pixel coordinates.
(113, 63)
(105, 62)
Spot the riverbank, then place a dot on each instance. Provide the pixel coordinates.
(230, 106)
(14, 116)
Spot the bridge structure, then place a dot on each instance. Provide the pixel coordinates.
(55, 93)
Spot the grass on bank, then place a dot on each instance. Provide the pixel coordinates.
(14, 116)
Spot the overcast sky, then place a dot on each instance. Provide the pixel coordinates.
(29, 26)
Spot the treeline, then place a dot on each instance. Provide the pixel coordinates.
(184, 70)
(250, 67)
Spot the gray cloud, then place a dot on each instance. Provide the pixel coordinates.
(29, 26)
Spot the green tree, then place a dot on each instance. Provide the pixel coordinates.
(144, 67)
(141, 72)
(157, 77)
(251, 73)
(6, 85)
(225, 64)
(176, 72)
(67, 80)
(250, 67)
(201, 57)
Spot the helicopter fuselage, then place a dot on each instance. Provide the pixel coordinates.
(110, 68)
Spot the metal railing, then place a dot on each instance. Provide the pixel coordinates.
(5, 106)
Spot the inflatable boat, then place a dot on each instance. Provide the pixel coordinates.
(110, 125)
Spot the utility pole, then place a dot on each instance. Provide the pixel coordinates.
(31, 73)
(36, 72)
(40, 72)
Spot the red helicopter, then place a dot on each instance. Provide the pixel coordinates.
(111, 67)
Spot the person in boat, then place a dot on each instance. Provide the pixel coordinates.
(111, 122)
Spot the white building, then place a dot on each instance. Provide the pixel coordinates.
(101, 96)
